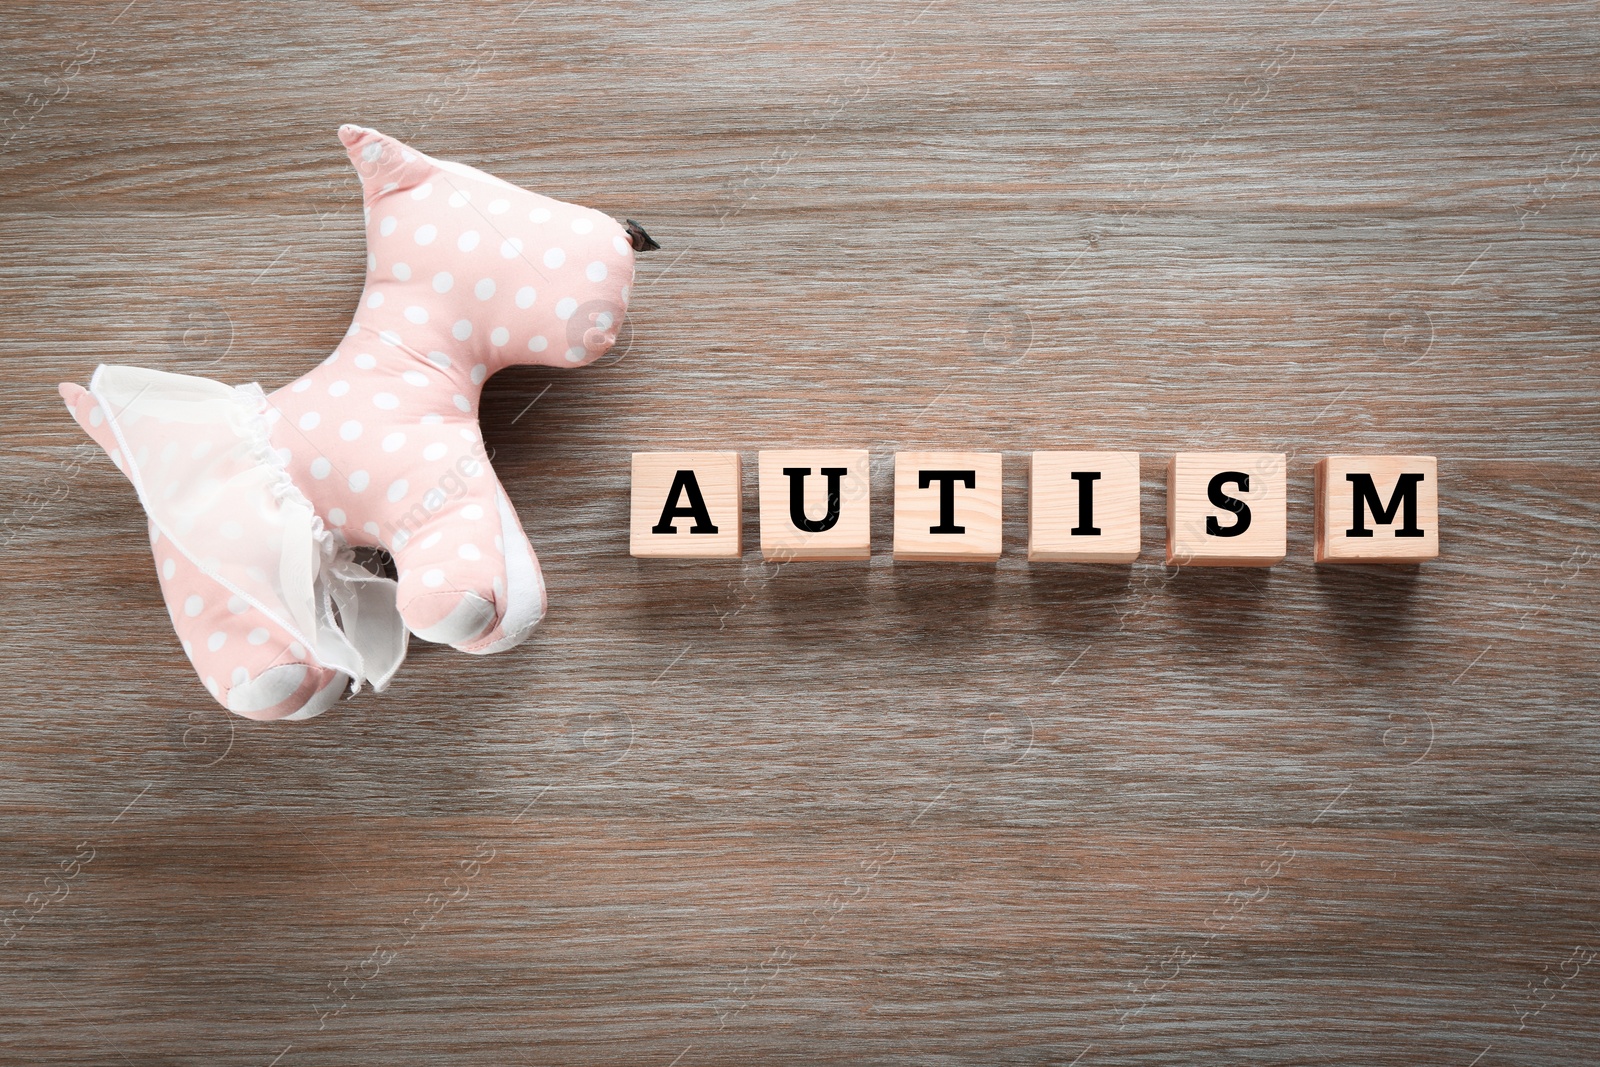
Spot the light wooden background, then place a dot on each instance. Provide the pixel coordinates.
(840, 813)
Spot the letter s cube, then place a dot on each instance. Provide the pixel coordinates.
(1227, 509)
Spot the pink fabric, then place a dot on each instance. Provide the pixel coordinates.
(466, 274)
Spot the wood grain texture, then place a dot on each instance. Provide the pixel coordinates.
(736, 812)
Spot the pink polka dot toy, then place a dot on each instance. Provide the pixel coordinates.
(256, 502)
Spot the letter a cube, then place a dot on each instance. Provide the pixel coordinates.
(1226, 509)
(1377, 509)
(685, 505)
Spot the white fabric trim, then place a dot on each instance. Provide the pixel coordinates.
(217, 466)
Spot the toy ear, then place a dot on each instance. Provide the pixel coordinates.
(383, 163)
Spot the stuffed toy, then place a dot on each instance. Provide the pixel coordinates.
(257, 502)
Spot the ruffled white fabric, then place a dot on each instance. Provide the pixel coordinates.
(200, 456)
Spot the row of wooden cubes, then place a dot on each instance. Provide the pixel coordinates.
(1224, 509)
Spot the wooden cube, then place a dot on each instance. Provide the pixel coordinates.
(1083, 507)
(685, 505)
(1226, 509)
(947, 506)
(1377, 509)
(816, 504)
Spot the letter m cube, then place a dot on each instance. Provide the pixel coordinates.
(1377, 509)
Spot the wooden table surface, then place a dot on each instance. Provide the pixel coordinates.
(730, 813)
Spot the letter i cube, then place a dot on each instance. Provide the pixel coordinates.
(1083, 507)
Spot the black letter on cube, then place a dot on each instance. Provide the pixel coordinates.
(1086, 526)
(797, 498)
(1228, 503)
(684, 483)
(947, 496)
(1366, 496)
